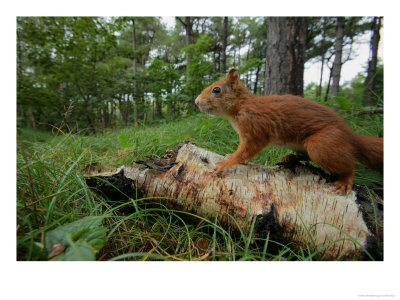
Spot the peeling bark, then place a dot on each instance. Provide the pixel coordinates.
(292, 203)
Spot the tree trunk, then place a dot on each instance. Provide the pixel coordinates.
(159, 114)
(369, 98)
(154, 110)
(337, 63)
(256, 83)
(328, 88)
(124, 109)
(224, 44)
(287, 203)
(238, 66)
(88, 113)
(31, 118)
(214, 62)
(19, 78)
(135, 113)
(188, 29)
(189, 38)
(219, 62)
(105, 116)
(286, 43)
(248, 71)
(319, 90)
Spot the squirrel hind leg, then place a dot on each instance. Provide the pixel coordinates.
(334, 159)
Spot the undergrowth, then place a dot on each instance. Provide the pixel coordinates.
(51, 192)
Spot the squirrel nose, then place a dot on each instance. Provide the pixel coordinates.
(197, 101)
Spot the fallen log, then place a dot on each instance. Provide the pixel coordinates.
(291, 203)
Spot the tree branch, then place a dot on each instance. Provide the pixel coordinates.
(180, 20)
(371, 111)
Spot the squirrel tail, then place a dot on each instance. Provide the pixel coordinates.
(370, 151)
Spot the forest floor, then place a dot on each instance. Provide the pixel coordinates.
(51, 192)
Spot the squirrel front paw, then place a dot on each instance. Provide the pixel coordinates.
(219, 168)
(342, 188)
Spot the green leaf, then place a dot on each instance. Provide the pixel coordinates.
(123, 138)
(355, 105)
(326, 103)
(342, 102)
(82, 238)
(79, 251)
(124, 141)
(95, 237)
(345, 104)
(126, 145)
(178, 138)
(58, 235)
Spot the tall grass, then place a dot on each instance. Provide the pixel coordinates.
(51, 191)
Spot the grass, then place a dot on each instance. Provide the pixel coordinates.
(51, 192)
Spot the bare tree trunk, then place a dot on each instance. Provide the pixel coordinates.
(328, 88)
(256, 83)
(32, 118)
(239, 56)
(154, 110)
(224, 44)
(289, 204)
(337, 63)
(89, 118)
(188, 29)
(20, 75)
(319, 90)
(286, 42)
(159, 114)
(124, 109)
(248, 72)
(135, 113)
(370, 81)
(214, 68)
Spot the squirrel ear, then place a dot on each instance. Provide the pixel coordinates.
(232, 76)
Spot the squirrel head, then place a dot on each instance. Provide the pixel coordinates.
(223, 96)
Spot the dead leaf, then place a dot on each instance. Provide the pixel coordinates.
(56, 249)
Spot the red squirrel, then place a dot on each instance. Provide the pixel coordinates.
(313, 130)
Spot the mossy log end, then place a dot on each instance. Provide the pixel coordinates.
(292, 203)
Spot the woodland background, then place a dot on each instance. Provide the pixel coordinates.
(113, 90)
(85, 74)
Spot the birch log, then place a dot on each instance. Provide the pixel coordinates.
(291, 204)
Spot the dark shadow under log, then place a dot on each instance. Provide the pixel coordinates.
(292, 203)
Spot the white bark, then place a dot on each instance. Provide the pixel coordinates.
(291, 206)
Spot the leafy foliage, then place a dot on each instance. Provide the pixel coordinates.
(199, 66)
(345, 104)
(77, 73)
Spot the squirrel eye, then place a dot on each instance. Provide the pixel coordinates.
(216, 90)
